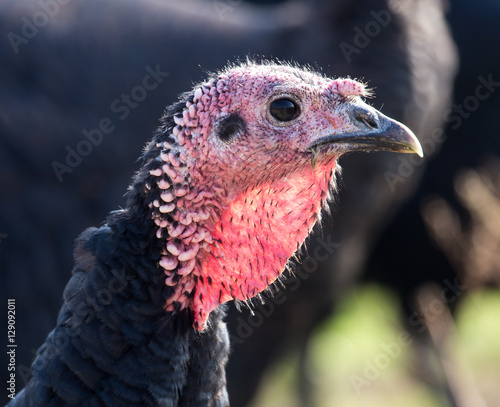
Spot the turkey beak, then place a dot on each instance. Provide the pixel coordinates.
(373, 131)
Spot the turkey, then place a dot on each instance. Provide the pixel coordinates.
(69, 76)
(246, 158)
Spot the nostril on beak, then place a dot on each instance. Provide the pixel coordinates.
(367, 118)
(370, 122)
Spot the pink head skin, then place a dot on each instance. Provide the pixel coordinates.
(243, 172)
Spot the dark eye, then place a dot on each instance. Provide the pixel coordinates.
(284, 110)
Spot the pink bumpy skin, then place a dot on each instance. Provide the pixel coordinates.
(231, 211)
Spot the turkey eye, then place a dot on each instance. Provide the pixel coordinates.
(284, 110)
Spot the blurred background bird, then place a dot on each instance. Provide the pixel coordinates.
(69, 68)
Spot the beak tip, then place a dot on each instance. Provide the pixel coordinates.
(402, 135)
(413, 144)
(416, 148)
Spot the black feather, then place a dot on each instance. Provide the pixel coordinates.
(114, 344)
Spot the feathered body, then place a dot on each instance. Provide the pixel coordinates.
(229, 188)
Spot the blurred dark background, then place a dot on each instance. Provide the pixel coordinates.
(409, 241)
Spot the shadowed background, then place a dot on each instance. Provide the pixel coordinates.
(70, 69)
